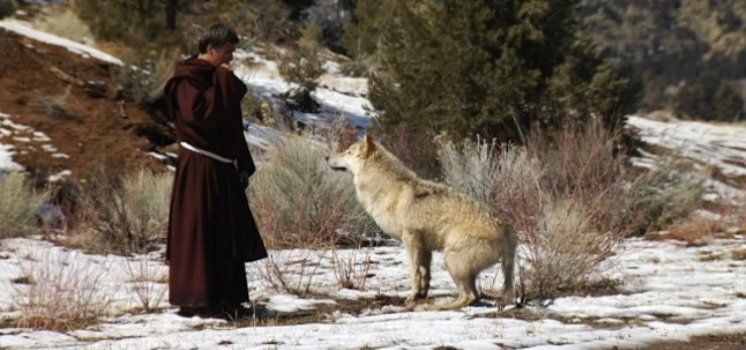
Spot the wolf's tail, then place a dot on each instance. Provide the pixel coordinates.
(508, 263)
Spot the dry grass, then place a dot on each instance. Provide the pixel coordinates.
(62, 294)
(18, 204)
(739, 254)
(350, 269)
(695, 231)
(300, 202)
(67, 24)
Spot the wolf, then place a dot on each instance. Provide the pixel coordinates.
(428, 216)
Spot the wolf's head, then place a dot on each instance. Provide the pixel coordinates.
(353, 157)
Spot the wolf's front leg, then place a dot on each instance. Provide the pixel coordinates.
(419, 267)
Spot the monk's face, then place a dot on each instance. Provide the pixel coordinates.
(220, 55)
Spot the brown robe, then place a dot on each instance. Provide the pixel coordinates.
(211, 231)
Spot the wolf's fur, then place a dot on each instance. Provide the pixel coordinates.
(429, 216)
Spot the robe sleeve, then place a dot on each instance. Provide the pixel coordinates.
(233, 91)
(199, 108)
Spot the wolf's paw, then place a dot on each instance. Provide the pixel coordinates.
(507, 298)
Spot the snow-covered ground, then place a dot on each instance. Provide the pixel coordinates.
(29, 139)
(721, 146)
(671, 292)
(340, 97)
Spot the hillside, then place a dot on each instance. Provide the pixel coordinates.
(60, 110)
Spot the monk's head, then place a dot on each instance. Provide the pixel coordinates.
(217, 44)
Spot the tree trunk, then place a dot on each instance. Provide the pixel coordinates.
(171, 11)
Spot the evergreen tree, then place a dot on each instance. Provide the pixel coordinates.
(491, 67)
(138, 23)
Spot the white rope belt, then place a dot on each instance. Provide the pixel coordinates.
(205, 153)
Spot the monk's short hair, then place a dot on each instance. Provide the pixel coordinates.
(217, 36)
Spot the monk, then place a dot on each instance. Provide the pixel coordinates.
(211, 231)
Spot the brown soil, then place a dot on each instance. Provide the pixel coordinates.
(91, 129)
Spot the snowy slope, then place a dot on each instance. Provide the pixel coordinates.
(25, 29)
(721, 146)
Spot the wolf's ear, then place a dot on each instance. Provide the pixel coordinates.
(368, 146)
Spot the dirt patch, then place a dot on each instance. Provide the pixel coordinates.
(707, 342)
(64, 96)
(321, 313)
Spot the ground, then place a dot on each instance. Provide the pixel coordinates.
(56, 126)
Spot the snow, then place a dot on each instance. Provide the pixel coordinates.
(6, 159)
(59, 176)
(720, 146)
(25, 29)
(6, 151)
(340, 97)
(669, 294)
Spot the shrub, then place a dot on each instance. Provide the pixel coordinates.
(299, 201)
(570, 198)
(658, 197)
(126, 215)
(564, 252)
(142, 80)
(7, 8)
(18, 205)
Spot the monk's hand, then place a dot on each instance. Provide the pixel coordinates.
(244, 178)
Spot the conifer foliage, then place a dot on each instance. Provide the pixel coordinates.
(489, 67)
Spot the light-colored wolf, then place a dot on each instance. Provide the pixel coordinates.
(429, 216)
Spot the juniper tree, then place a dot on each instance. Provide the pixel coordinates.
(491, 67)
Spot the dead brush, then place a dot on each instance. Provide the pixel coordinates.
(63, 293)
(350, 269)
(290, 271)
(147, 281)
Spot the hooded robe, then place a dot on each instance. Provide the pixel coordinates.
(211, 231)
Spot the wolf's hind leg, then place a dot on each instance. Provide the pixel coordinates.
(464, 274)
(507, 296)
